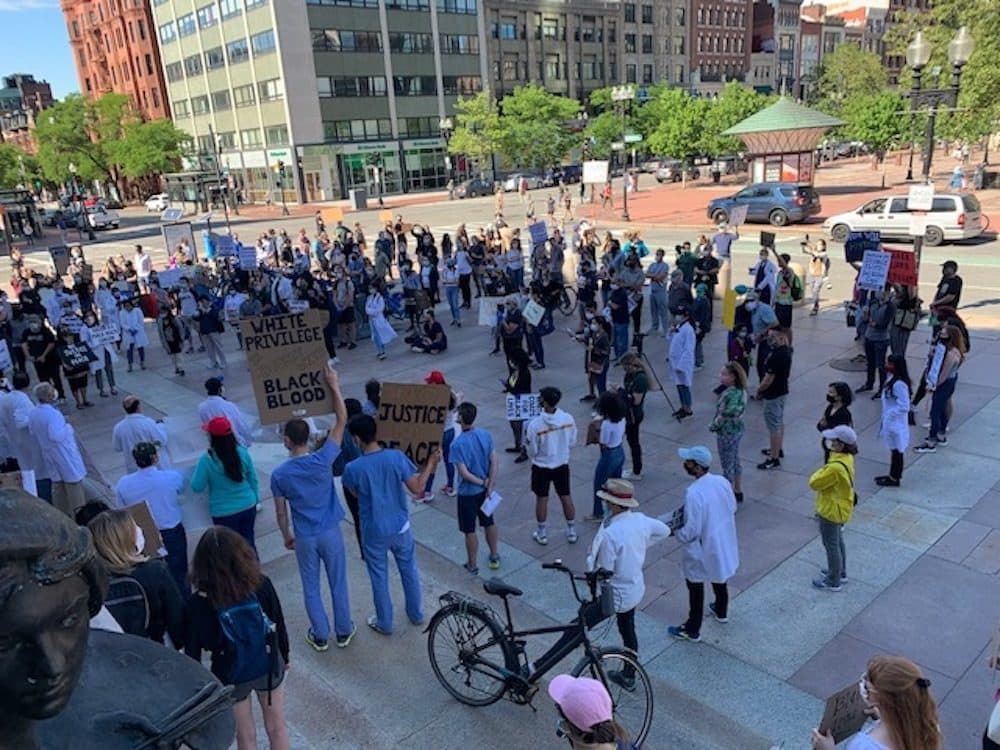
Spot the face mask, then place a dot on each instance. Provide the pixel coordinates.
(830, 398)
(594, 327)
(691, 471)
(589, 316)
(140, 540)
(889, 368)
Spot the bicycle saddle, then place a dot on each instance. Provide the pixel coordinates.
(498, 588)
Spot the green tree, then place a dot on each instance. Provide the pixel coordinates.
(846, 73)
(735, 104)
(477, 128)
(877, 120)
(149, 148)
(533, 130)
(680, 122)
(17, 167)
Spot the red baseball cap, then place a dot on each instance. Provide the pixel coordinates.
(218, 427)
(435, 377)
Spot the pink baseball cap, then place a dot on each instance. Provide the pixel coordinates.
(585, 702)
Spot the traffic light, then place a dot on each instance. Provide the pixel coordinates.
(281, 168)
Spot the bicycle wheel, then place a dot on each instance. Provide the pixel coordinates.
(567, 300)
(633, 708)
(467, 654)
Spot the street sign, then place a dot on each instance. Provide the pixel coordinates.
(921, 198)
(618, 146)
(172, 214)
(595, 172)
(633, 138)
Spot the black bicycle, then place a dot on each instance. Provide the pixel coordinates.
(479, 660)
(567, 300)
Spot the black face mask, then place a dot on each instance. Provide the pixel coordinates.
(830, 398)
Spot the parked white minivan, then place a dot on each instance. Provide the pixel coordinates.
(954, 216)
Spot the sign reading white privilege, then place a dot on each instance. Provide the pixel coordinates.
(874, 270)
(286, 357)
(523, 406)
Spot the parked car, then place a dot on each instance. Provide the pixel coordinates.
(567, 173)
(777, 203)
(671, 171)
(51, 218)
(158, 202)
(473, 188)
(113, 203)
(952, 217)
(535, 181)
(102, 218)
(649, 166)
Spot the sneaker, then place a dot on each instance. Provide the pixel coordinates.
(471, 569)
(450, 492)
(588, 397)
(767, 452)
(926, 425)
(494, 562)
(541, 537)
(571, 536)
(373, 624)
(942, 441)
(928, 446)
(428, 497)
(886, 481)
(622, 680)
(826, 574)
(521, 459)
(771, 463)
(343, 641)
(711, 608)
(316, 643)
(631, 476)
(822, 583)
(680, 633)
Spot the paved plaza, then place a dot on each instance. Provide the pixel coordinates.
(923, 559)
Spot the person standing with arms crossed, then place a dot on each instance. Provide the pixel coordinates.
(548, 438)
(476, 462)
(305, 484)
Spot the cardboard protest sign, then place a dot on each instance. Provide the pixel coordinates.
(539, 232)
(523, 406)
(331, 216)
(173, 234)
(488, 310)
(104, 334)
(72, 322)
(248, 258)
(844, 714)
(60, 259)
(286, 357)
(595, 172)
(934, 371)
(874, 270)
(385, 217)
(6, 363)
(169, 277)
(231, 308)
(858, 242)
(729, 309)
(76, 356)
(902, 267)
(412, 418)
(144, 520)
(767, 239)
(738, 215)
(921, 198)
(918, 225)
(298, 305)
(533, 312)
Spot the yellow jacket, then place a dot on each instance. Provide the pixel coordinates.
(833, 484)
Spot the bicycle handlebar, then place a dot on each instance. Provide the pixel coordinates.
(590, 577)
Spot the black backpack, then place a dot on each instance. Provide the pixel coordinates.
(128, 604)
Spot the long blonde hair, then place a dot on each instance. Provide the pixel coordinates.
(905, 704)
(115, 539)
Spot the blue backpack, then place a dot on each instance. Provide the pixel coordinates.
(250, 637)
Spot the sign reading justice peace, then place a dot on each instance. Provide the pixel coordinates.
(412, 417)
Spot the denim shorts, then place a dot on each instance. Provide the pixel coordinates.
(774, 413)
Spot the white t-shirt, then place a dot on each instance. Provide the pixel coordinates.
(612, 433)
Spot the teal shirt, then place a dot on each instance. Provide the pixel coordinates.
(225, 497)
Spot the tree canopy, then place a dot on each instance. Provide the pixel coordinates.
(533, 130)
(477, 128)
(845, 74)
(876, 119)
(17, 167)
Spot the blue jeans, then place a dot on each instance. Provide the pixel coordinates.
(658, 310)
(451, 292)
(535, 347)
(684, 393)
(939, 408)
(620, 342)
(327, 550)
(376, 559)
(175, 542)
(449, 468)
(609, 466)
(516, 277)
(832, 535)
(242, 523)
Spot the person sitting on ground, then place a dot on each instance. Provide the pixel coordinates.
(433, 340)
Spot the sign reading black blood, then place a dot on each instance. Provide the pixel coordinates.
(844, 714)
(412, 418)
(286, 356)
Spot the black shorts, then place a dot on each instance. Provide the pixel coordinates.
(542, 477)
(784, 314)
(469, 510)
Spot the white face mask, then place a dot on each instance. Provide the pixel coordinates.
(751, 305)
(140, 540)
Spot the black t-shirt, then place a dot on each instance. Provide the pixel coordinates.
(948, 286)
(37, 341)
(779, 364)
(619, 306)
(833, 417)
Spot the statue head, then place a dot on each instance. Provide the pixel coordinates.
(51, 584)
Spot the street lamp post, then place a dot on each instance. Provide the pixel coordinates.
(918, 54)
(447, 128)
(223, 192)
(622, 95)
(281, 187)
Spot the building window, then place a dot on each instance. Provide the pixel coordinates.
(346, 3)
(336, 40)
(181, 109)
(459, 44)
(512, 68)
(414, 85)
(612, 34)
(186, 25)
(417, 127)
(156, 98)
(276, 135)
(647, 73)
(462, 85)
(250, 138)
(550, 28)
(168, 32)
(214, 58)
(629, 43)
(552, 68)
(678, 48)
(629, 12)
(508, 29)
(588, 29)
(647, 44)
(349, 86)
(356, 130)
(630, 73)
(192, 65)
(251, 4)
(680, 16)
(467, 7)
(408, 4)
(205, 144)
(149, 64)
(238, 51)
(174, 71)
(199, 105)
(271, 90)
(647, 13)
(227, 141)
(221, 101)
(262, 43)
(229, 8)
(409, 42)
(206, 16)
(243, 96)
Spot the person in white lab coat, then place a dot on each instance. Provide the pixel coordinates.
(711, 552)
(143, 268)
(620, 546)
(216, 405)
(681, 359)
(133, 326)
(59, 450)
(15, 406)
(137, 428)
(895, 427)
